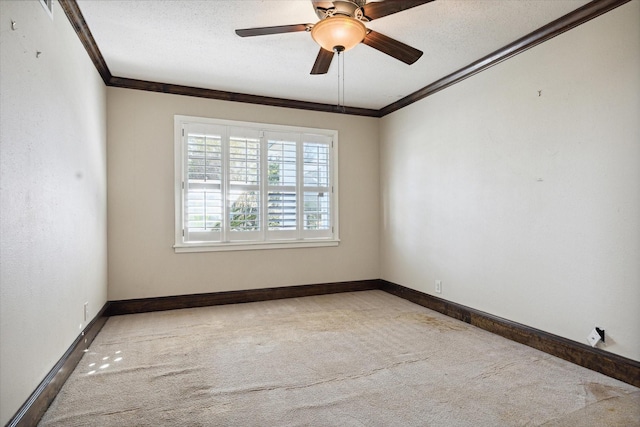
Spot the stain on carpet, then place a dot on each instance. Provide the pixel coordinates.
(443, 325)
(618, 411)
(598, 392)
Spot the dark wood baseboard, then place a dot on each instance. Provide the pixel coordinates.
(596, 359)
(36, 405)
(234, 297)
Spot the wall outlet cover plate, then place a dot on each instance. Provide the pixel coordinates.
(593, 338)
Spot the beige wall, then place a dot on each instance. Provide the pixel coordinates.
(142, 262)
(53, 193)
(527, 206)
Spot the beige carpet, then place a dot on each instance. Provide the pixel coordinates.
(355, 359)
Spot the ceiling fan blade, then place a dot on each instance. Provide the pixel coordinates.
(377, 10)
(323, 61)
(263, 31)
(392, 47)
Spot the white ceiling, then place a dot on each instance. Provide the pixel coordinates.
(193, 43)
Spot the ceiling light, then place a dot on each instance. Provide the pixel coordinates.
(338, 33)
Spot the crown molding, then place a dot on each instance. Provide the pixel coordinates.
(149, 86)
(75, 17)
(565, 23)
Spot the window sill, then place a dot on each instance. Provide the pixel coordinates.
(243, 246)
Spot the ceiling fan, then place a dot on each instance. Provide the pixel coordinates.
(342, 27)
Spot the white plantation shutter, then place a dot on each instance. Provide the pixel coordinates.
(243, 194)
(316, 189)
(282, 184)
(244, 185)
(203, 195)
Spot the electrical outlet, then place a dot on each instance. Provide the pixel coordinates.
(86, 310)
(593, 338)
(596, 336)
(439, 286)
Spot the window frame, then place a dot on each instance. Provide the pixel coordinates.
(181, 178)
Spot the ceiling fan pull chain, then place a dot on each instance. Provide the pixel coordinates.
(339, 60)
(343, 74)
(341, 106)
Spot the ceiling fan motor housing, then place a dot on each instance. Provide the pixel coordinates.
(341, 7)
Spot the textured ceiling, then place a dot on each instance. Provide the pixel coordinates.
(193, 43)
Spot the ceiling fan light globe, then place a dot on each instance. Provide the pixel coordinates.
(338, 31)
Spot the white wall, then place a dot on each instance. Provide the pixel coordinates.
(527, 206)
(53, 193)
(142, 262)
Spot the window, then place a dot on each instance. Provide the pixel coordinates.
(254, 186)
